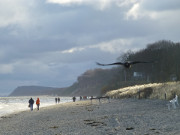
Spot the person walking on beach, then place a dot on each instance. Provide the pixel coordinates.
(74, 99)
(31, 102)
(38, 103)
(58, 99)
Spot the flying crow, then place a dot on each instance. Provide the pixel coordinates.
(126, 64)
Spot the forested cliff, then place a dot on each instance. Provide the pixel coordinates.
(164, 58)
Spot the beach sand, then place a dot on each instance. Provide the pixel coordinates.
(119, 117)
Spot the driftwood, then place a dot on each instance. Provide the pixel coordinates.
(99, 98)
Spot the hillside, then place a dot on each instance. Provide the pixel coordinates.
(163, 61)
(35, 91)
(90, 83)
(155, 90)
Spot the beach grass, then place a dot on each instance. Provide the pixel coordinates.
(165, 91)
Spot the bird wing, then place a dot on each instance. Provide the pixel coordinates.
(117, 63)
(135, 62)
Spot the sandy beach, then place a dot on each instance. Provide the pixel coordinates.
(119, 117)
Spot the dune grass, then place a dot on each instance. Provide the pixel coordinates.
(152, 91)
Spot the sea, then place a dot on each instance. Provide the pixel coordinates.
(10, 105)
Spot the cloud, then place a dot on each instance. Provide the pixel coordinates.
(152, 9)
(6, 69)
(67, 1)
(73, 50)
(97, 4)
(15, 12)
(113, 46)
(161, 5)
(126, 3)
(133, 12)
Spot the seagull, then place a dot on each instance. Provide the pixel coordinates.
(126, 64)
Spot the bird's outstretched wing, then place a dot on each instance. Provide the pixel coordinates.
(135, 62)
(117, 63)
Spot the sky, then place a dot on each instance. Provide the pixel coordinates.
(52, 42)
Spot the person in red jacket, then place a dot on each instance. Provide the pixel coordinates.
(38, 103)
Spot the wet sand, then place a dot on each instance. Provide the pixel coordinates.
(119, 117)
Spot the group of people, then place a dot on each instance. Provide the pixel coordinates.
(31, 103)
(57, 100)
(84, 98)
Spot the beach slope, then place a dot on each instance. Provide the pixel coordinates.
(119, 117)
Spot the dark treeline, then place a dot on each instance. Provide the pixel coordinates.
(165, 56)
(165, 66)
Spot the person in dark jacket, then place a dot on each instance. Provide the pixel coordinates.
(59, 100)
(74, 99)
(31, 102)
(56, 100)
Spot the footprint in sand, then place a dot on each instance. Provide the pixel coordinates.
(129, 128)
(94, 123)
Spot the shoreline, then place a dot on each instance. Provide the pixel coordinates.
(10, 105)
(34, 109)
(25, 110)
(125, 116)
